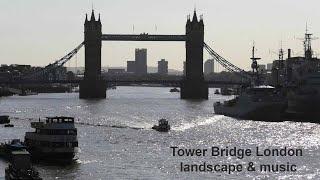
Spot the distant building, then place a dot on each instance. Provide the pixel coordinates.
(131, 66)
(163, 67)
(209, 66)
(116, 71)
(262, 67)
(141, 61)
(269, 66)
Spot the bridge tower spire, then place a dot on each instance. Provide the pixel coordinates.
(193, 85)
(92, 85)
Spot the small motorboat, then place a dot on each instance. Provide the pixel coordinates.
(217, 91)
(174, 90)
(20, 167)
(8, 125)
(4, 119)
(7, 148)
(163, 126)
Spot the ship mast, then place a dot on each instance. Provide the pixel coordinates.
(254, 66)
(307, 44)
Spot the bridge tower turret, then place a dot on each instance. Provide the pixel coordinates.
(193, 85)
(93, 85)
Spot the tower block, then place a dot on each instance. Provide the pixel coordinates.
(193, 85)
(92, 86)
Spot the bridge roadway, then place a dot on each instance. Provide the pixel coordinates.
(142, 37)
(123, 82)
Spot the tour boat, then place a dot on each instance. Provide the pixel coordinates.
(54, 139)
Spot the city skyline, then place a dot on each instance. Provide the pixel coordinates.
(34, 33)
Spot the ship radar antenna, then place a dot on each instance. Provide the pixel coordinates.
(254, 65)
(307, 43)
(281, 52)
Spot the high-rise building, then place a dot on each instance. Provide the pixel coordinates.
(269, 66)
(141, 61)
(163, 67)
(209, 66)
(131, 66)
(184, 68)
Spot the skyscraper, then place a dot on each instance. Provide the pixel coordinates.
(141, 61)
(209, 66)
(163, 67)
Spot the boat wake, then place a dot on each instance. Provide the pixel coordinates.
(208, 121)
(109, 126)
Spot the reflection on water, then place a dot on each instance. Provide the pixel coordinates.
(116, 140)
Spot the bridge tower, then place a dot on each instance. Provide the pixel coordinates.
(93, 85)
(193, 85)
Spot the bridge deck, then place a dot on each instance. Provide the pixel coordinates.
(118, 82)
(142, 37)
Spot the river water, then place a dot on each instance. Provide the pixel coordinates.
(125, 147)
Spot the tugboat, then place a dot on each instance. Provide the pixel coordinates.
(54, 140)
(7, 148)
(163, 126)
(258, 102)
(174, 90)
(20, 167)
(4, 119)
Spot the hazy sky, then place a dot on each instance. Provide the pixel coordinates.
(40, 31)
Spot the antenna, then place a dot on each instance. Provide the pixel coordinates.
(281, 52)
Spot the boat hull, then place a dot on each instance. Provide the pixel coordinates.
(58, 157)
(254, 111)
(303, 108)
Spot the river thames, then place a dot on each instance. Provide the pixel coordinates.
(116, 140)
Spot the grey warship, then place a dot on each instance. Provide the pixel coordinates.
(256, 102)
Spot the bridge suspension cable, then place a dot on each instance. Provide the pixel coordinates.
(226, 64)
(56, 64)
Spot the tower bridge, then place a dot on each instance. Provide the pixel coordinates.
(193, 85)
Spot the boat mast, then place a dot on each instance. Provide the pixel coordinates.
(308, 53)
(254, 66)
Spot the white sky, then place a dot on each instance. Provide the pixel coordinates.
(38, 32)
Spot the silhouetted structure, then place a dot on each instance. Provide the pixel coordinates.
(209, 66)
(193, 85)
(163, 67)
(141, 61)
(93, 85)
(131, 66)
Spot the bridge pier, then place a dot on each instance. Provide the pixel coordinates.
(193, 86)
(194, 90)
(93, 85)
(93, 89)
